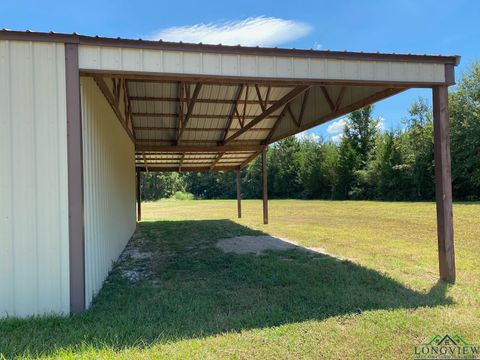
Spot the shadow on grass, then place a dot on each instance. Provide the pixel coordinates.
(195, 290)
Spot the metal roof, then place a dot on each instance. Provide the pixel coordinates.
(198, 107)
(167, 45)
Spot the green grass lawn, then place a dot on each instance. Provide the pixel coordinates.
(196, 301)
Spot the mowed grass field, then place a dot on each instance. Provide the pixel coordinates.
(373, 294)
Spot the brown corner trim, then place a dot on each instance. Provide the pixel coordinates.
(449, 74)
(75, 181)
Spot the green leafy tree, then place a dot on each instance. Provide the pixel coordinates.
(157, 185)
(284, 168)
(420, 133)
(362, 129)
(252, 179)
(465, 135)
(318, 161)
(347, 164)
(389, 174)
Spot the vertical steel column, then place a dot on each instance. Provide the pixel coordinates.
(139, 196)
(443, 184)
(239, 195)
(264, 186)
(75, 181)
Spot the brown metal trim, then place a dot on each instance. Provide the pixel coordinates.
(338, 103)
(249, 159)
(292, 116)
(152, 163)
(233, 111)
(328, 98)
(190, 107)
(302, 109)
(38, 36)
(156, 78)
(215, 161)
(236, 80)
(198, 149)
(443, 184)
(209, 129)
(75, 181)
(197, 142)
(283, 101)
(194, 116)
(179, 158)
(182, 159)
(224, 49)
(276, 125)
(200, 101)
(111, 101)
(129, 107)
(186, 169)
(342, 111)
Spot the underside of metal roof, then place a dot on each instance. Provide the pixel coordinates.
(185, 126)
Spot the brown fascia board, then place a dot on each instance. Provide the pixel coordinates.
(226, 49)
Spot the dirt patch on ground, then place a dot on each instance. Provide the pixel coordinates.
(259, 244)
(253, 244)
(135, 263)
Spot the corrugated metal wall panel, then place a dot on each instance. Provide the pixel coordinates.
(34, 267)
(109, 181)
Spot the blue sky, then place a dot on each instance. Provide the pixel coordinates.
(407, 26)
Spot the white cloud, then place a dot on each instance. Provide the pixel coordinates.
(337, 126)
(336, 138)
(381, 124)
(307, 136)
(253, 31)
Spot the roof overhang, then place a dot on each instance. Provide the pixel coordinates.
(196, 107)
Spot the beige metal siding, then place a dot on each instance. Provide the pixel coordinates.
(286, 67)
(109, 182)
(34, 268)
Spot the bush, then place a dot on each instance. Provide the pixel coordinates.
(180, 195)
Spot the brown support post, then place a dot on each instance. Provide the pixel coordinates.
(443, 184)
(139, 197)
(264, 186)
(239, 196)
(75, 181)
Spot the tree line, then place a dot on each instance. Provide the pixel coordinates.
(365, 163)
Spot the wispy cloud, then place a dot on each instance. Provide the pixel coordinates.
(336, 138)
(335, 129)
(253, 31)
(337, 126)
(304, 135)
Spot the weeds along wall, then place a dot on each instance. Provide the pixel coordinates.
(109, 186)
